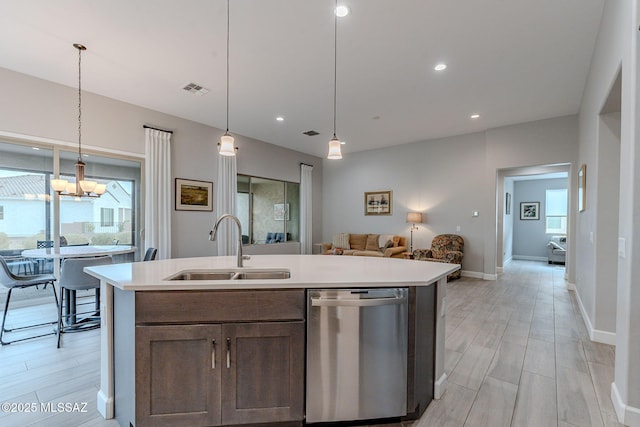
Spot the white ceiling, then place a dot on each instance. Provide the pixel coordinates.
(510, 61)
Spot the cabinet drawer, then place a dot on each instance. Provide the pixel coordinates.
(219, 306)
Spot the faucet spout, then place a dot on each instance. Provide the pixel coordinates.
(214, 232)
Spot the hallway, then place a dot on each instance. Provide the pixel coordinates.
(518, 353)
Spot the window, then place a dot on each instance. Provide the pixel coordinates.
(556, 211)
(268, 210)
(106, 217)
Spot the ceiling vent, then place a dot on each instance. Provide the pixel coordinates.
(196, 89)
(311, 133)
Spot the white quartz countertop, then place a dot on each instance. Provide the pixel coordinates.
(307, 271)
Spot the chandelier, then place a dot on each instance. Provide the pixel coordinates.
(82, 187)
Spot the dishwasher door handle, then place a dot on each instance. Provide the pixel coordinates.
(364, 302)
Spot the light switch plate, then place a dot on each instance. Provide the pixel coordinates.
(458, 228)
(475, 213)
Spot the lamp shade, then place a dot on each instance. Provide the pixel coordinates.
(414, 217)
(335, 152)
(226, 145)
(59, 185)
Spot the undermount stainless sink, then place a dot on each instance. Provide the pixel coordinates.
(231, 275)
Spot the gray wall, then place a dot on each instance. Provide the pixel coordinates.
(529, 236)
(447, 179)
(39, 109)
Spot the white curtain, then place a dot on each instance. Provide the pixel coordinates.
(227, 236)
(306, 204)
(157, 216)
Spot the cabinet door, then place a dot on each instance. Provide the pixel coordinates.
(178, 375)
(264, 378)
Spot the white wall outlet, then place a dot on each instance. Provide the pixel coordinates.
(622, 247)
(475, 213)
(591, 236)
(458, 228)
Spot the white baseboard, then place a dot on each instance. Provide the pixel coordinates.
(596, 335)
(479, 275)
(531, 258)
(571, 286)
(105, 406)
(628, 415)
(440, 387)
(499, 270)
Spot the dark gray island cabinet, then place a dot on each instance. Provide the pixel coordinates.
(209, 358)
(234, 357)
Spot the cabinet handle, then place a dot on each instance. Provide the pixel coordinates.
(228, 353)
(213, 354)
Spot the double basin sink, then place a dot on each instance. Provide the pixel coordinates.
(231, 275)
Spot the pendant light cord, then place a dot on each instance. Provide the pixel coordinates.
(335, 66)
(79, 103)
(228, 26)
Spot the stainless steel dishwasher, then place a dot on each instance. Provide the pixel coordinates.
(356, 354)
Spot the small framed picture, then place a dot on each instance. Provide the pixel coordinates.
(530, 210)
(281, 211)
(194, 195)
(378, 202)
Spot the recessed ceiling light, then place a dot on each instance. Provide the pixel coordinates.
(475, 116)
(280, 118)
(440, 67)
(35, 148)
(342, 11)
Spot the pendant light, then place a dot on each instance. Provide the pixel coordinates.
(82, 187)
(226, 147)
(334, 144)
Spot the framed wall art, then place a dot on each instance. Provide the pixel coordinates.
(530, 210)
(194, 195)
(281, 211)
(378, 202)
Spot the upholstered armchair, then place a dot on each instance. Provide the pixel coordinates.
(447, 248)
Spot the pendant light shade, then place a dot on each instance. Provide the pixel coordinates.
(335, 152)
(334, 149)
(226, 146)
(81, 187)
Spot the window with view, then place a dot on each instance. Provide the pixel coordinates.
(556, 211)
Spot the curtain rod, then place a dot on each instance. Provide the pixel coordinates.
(305, 164)
(154, 128)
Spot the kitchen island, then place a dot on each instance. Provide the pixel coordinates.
(144, 312)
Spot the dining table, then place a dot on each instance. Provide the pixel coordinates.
(120, 253)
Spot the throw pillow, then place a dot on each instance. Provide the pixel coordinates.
(341, 241)
(396, 241)
(386, 246)
(384, 238)
(372, 242)
(358, 241)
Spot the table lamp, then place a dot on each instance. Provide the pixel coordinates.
(413, 218)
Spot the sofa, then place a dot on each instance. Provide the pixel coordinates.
(373, 245)
(557, 249)
(447, 248)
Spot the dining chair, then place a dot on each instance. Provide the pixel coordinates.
(12, 281)
(151, 254)
(72, 279)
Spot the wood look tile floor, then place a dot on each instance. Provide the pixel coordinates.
(517, 354)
